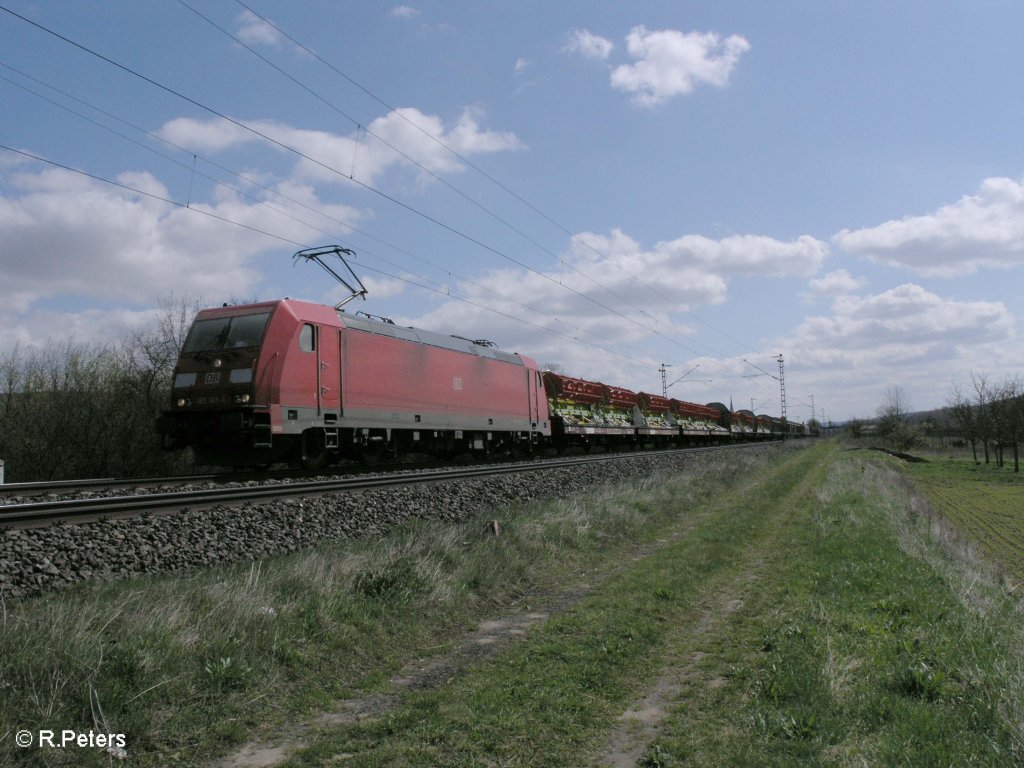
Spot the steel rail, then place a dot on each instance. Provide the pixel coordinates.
(67, 509)
(50, 486)
(38, 487)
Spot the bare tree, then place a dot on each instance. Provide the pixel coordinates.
(995, 417)
(983, 413)
(1008, 424)
(70, 410)
(1016, 412)
(892, 419)
(965, 419)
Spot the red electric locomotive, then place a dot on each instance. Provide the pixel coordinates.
(290, 380)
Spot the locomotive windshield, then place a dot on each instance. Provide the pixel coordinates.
(226, 332)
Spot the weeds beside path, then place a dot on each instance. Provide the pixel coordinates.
(790, 607)
(807, 618)
(548, 700)
(867, 641)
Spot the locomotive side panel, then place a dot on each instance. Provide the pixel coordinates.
(392, 383)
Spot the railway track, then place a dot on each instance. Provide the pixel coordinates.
(101, 484)
(32, 513)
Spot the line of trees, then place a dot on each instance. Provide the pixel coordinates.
(72, 410)
(990, 415)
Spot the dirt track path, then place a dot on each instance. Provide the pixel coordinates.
(722, 595)
(491, 636)
(684, 668)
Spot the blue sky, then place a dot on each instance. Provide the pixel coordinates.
(604, 186)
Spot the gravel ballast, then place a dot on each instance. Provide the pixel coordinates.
(34, 560)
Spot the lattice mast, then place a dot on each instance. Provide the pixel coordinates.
(782, 394)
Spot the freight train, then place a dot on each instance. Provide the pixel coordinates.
(304, 383)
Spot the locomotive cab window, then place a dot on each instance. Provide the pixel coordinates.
(307, 338)
(226, 332)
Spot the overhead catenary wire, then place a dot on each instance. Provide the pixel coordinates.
(331, 169)
(289, 241)
(242, 193)
(421, 167)
(469, 163)
(293, 242)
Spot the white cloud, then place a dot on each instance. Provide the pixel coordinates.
(670, 62)
(334, 156)
(906, 335)
(837, 283)
(587, 44)
(981, 230)
(10, 160)
(253, 30)
(67, 235)
(404, 12)
(380, 288)
(754, 255)
(521, 65)
(214, 135)
(908, 315)
(90, 326)
(645, 294)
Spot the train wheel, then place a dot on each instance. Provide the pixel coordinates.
(315, 454)
(373, 452)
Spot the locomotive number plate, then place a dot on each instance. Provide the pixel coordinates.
(213, 377)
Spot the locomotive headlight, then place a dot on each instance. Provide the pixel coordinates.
(217, 363)
(242, 399)
(182, 402)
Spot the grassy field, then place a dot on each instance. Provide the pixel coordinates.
(985, 502)
(802, 609)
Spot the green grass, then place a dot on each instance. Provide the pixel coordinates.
(808, 608)
(860, 647)
(549, 700)
(984, 502)
(190, 667)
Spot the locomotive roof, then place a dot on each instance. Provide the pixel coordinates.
(430, 338)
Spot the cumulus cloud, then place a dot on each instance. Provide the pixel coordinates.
(837, 283)
(253, 30)
(330, 157)
(89, 326)
(382, 287)
(610, 297)
(906, 335)
(404, 12)
(65, 234)
(670, 63)
(214, 135)
(977, 231)
(752, 255)
(902, 323)
(585, 43)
